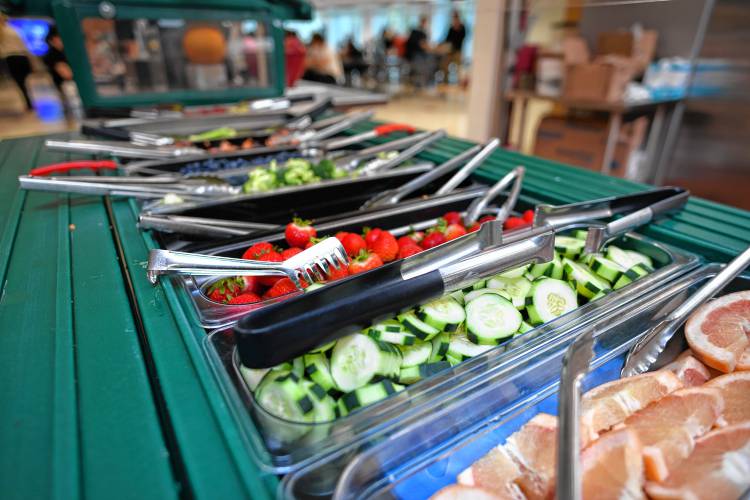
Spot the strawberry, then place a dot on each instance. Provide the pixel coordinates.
(454, 231)
(473, 227)
(371, 235)
(281, 287)
(244, 298)
(353, 244)
(340, 235)
(314, 241)
(417, 236)
(225, 289)
(433, 239)
(408, 250)
(298, 232)
(405, 241)
(290, 252)
(385, 246)
(337, 274)
(514, 223)
(249, 284)
(453, 218)
(364, 262)
(486, 218)
(257, 250)
(528, 216)
(272, 256)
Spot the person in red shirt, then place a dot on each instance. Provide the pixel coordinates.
(294, 51)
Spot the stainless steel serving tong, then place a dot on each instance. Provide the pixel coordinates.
(648, 352)
(312, 264)
(124, 149)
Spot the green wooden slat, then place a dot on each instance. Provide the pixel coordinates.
(122, 447)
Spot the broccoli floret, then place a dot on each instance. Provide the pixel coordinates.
(298, 175)
(325, 169)
(260, 179)
(339, 173)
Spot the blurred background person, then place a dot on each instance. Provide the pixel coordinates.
(321, 63)
(295, 57)
(418, 54)
(13, 51)
(452, 48)
(56, 62)
(352, 60)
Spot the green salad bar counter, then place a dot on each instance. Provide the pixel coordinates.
(105, 386)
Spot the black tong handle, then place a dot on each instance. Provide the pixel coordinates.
(318, 317)
(110, 132)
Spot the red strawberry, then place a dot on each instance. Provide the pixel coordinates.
(433, 239)
(528, 216)
(314, 241)
(225, 289)
(385, 246)
(244, 298)
(454, 231)
(364, 262)
(290, 252)
(257, 250)
(340, 235)
(298, 232)
(249, 284)
(473, 227)
(371, 235)
(272, 256)
(408, 250)
(353, 244)
(417, 236)
(486, 218)
(405, 241)
(453, 218)
(337, 274)
(514, 223)
(281, 287)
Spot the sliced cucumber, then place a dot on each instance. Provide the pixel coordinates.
(599, 295)
(324, 406)
(543, 269)
(444, 314)
(607, 269)
(440, 344)
(462, 348)
(587, 283)
(458, 296)
(478, 293)
(620, 256)
(581, 234)
(391, 331)
(358, 358)
(413, 374)
(632, 274)
(491, 318)
(416, 326)
(367, 395)
(452, 360)
(525, 327)
(557, 268)
(285, 397)
(298, 366)
(314, 286)
(416, 354)
(639, 258)
(568, 246)
(318, 370)
(253, 376)
(549, 299)
(516, 288)
(514, 273)
(325, 347)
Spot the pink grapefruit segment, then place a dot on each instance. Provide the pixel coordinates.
(689, 370)
(735, 389)
(612, 467)
(534, 447)
(462, 492)
(495, 473)
(718, 331)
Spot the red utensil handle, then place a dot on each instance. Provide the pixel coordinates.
(393, 127)
(74, 165)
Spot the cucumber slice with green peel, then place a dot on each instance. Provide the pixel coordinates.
(581, 234)
(444, 314)
(416, 326)
(568, 246)
(298, 366)
(525, 327)
(253, 376)
(458, 296)
(620, 256)
(557, 268)
(391, 331)
(514, 273)
(549, 299)
(491, 318)
(543, 269)
(607, 269)
(318, 370)
(587, 283)
(324, 406)
(478, 293)
(599, 296)
(440, 344)
(357, 359)
(416, 354)
(325, 347)
(453, 361)
(367, 395)
(516, 288)
(462, 348)
(479, 284)
(632, 274)
(413, 374)
(284, 396)
(639, 258)
(314, 286)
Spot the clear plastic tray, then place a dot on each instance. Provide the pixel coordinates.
(268, 437)
(421, 458)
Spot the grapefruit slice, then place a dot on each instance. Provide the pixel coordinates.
(744, 363)
(612, 467)
(735, 388)
(689, 370)
(667, 427)
(462, 492)
(609, 404)
(717, 332)
(718, 468)
(534, 447)
(495, 473)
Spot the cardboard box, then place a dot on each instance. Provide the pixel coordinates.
(575, 50)
(581, 142)
(604, 79)
(618, 43)
(638, 45)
